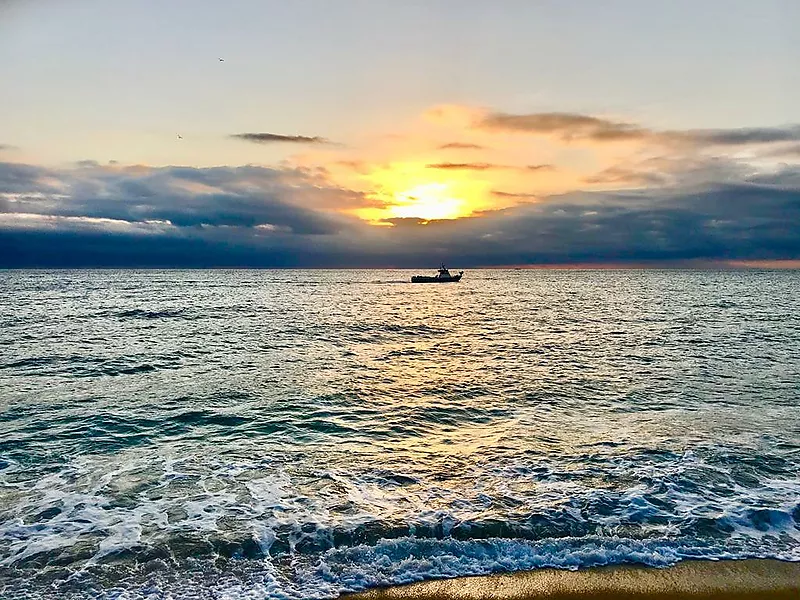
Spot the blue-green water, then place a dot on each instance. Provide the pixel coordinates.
(255, 434)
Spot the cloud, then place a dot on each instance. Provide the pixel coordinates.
(620, 175)
(720, 222)
(744, 136)
(359, 166)
(461, 146)
(18, 178)
(566, 125)
(791, 151)
(501, 194)
(102, 215)
(270, 138)
(182, 196)
(575, 126)
(486, 167)
(57, 248)
(464, 166)
(7, 147)
(407, 221)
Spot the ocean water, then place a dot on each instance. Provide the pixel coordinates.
(300, 434)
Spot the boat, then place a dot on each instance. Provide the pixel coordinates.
(443, 276)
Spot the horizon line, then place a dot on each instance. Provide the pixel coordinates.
(777, 264)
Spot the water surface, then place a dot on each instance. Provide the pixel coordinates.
(254, 434)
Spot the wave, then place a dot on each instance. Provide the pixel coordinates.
(339, 532)
(350, 569)
(138, 313)
(95, 366)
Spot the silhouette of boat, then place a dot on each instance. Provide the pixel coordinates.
(443, 276)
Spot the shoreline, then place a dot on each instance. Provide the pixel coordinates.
(752, 579)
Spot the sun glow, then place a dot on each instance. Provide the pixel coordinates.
(413, 190)
(428, 201)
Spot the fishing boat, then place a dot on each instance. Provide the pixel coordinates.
(443, 276)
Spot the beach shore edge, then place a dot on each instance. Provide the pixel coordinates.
(751, 579)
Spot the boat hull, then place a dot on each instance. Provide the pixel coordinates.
(426, 279)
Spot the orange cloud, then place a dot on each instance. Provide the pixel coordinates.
(461, 146)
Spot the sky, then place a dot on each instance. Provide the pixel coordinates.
(374, 133)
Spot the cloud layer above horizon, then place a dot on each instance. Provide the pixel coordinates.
(550, 188)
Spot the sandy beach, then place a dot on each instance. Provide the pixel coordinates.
(709, 580)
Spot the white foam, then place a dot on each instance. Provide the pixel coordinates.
(403, 560)
(170, 496)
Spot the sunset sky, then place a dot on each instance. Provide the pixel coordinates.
(380, 133)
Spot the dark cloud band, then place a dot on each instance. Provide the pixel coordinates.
(253, 216)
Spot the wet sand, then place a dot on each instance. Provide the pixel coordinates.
(706, 580)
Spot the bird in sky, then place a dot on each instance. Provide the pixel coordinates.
(180, 137)
(221, 60)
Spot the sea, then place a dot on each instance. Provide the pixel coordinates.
(253, 434)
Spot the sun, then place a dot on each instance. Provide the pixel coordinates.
(412, 190)
(428, 201)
